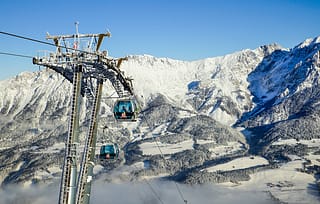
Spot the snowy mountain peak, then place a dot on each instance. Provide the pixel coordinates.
(282, 76)
(308, 42)
(221, 89)
(268, 49)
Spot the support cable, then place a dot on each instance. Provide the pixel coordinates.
(43, 42)
(161, 153)
(26, 38)
(154, 192)
(148, 183)
(16, 55)
(150, 186)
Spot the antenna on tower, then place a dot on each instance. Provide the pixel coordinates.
(76, 41)
(77, 27)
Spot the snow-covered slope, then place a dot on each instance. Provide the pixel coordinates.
(215, 86)
(283, 76)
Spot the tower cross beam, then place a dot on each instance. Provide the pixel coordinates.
(50, 37)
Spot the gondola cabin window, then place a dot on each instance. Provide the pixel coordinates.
(125, 110)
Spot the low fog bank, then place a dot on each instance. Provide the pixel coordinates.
(166, 192)
(30, 195)
(138, 193)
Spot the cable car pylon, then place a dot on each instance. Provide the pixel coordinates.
(88, 158)
(69, 172)
(83, 67)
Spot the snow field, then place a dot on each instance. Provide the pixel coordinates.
(314, 159)
(285, 183)
(309, 143)
(152, 148)
(222, 150)
(239, 163)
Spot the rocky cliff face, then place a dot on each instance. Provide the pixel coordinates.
(285, 87)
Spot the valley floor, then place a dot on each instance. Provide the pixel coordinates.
(286, 184)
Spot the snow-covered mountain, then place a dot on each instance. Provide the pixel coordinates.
(217, 87)
(208, 117)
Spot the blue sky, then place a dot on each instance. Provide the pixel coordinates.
(184, 30)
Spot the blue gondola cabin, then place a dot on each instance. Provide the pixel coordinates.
(125, 110)
(109, 151)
